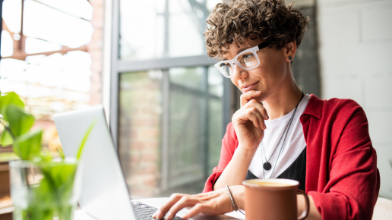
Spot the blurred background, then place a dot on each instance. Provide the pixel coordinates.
(166, 105)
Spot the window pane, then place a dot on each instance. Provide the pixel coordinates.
(54, 82)
(156, 28)
(187, 124)
(43, 22)
(12, 16)
(49, 85)
(215, 122)
(140, 110)
(215, 81)
(78, 8)
(37, 46)
(7, 44)
(45, 79)
(170, 130)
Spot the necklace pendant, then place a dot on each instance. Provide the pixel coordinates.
(267, 166)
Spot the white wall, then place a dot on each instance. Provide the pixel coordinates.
(355, 47)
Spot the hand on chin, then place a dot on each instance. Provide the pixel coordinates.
(251, 94)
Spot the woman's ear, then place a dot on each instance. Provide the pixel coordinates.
(289, 51)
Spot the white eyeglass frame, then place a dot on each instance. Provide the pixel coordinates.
(234, 60)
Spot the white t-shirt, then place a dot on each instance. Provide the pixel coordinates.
(292, 148)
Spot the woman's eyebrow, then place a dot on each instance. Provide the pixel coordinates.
(238, 51)
(242, 49)
(223, 53)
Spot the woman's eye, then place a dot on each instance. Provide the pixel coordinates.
(224, 65)
(247, 56)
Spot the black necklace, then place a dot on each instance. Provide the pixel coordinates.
(267, 164)
(280, 148)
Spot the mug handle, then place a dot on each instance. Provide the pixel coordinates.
(306, 212)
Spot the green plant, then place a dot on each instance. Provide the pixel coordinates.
(50, 199)
(17, 124)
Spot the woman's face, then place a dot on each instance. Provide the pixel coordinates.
(267, 77)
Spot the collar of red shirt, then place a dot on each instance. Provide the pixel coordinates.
(314, 107)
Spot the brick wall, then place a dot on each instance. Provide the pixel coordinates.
(95, 50)
(139, 133)
(355, 56)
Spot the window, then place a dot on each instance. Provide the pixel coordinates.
(47, 58)
(170, 122)
(170, 128)
(163, 28)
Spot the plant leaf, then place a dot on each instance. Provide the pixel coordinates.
(7, 99)
(61, 152)
(19, 120)
(42, 156)
(28, 145)
(59, 179)
(85, 139)
(6, 139)
(60, 173)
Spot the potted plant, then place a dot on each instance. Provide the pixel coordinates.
(43, 186)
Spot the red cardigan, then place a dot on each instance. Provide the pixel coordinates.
(341, 164)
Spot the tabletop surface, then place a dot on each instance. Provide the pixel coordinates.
(156, 202)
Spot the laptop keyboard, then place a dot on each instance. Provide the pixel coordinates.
(144, 211)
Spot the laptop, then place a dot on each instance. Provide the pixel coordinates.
(104, 194)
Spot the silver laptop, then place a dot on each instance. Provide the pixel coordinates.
(104, 193)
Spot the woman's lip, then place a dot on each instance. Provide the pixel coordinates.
(248, 87)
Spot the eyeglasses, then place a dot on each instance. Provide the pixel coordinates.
(247, 60)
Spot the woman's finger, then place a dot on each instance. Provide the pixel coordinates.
(245, 115)
(166, 207)
(259, 106)
(199, 208)
(263, 112)
(255, 117)
(185, 201)
(246, 97)
(254, 104)
(250, 114)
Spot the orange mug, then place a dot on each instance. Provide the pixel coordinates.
(267, 199)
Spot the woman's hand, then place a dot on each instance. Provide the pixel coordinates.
(211, 203)
(248, 121)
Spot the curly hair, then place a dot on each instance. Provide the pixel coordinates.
(270, 20)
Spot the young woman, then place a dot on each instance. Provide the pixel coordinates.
(279, 132)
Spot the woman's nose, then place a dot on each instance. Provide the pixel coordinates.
(239, 72)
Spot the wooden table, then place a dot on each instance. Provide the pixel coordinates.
(5, 200)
